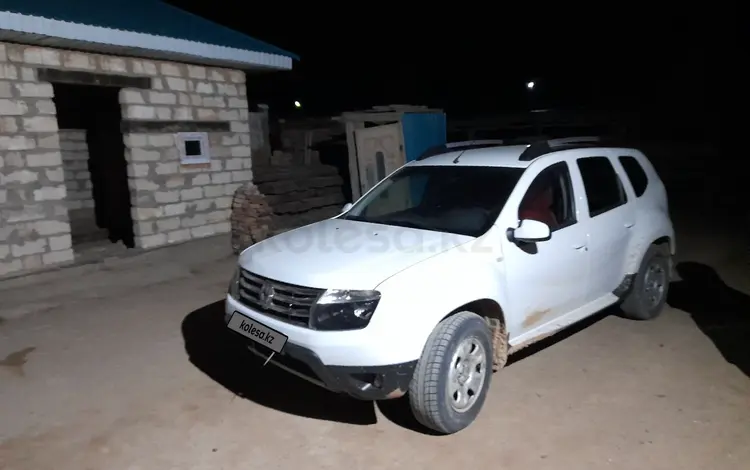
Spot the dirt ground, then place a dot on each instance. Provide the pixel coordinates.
(115, 366)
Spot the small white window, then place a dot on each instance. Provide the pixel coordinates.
(193, 147)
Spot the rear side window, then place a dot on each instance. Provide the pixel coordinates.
(604, 189)
(636, 174)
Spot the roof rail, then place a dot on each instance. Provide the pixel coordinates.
(542, 147)
(458, 147)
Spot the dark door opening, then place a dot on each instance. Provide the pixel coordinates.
(98, 191)
(335, 152)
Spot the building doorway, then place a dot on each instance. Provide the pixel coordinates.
(93, 151)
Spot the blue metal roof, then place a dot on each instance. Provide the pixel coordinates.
(142, 16)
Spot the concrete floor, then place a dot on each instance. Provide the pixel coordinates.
(112, 366)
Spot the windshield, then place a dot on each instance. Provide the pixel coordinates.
(455, 199)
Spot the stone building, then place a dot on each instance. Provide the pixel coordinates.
(119, 127)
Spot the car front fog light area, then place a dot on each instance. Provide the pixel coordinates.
(344, 309)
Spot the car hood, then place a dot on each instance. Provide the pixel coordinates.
(344, 254)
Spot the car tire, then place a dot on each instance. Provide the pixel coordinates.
(453, 375)
(648, 295)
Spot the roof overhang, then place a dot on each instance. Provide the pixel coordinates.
(26, 29)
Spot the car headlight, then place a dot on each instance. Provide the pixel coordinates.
(344, 309)
(234, 285)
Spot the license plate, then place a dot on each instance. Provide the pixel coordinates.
(257, 332)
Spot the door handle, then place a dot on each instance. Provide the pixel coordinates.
(582, 246)
(629, 224)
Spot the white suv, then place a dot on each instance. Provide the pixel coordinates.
(433, 277)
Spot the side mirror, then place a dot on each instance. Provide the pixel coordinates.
(346, 207)
(530, 231)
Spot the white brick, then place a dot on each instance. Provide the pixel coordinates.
(21, 177)
(201, 180)
(12, 107)
(165, 225)
(62, 242)
(229, 115)
(167, 168)
(128, 96)
(228, 90)
(234, 164)
(46, 107)
(49, 142)
(8, 71)
(144, 67)
(10, 267)
(217, 76)
(214, 191)
(75, 60)
(113, 64)
(176, 84)
(161, 140)
(171, 69)
(40, 124)
(35, 90)
(29, 248)
(174, 209)
(142, 184)
(191, 194)
(28, 74)
(138, 170)
(183, 114)
(152, 241)
(147, 213)
(3, 58)
(140, 112)
(224, 202)
(214, 102)
(44, 159)
(205, 88)
(4, 251)
(164, 114)
(221, 178)
(175, 181)
(196, 72)
(241, 151)
(56, 175)
(136, 140)
(238, 103)
(203, 231)
(57, 257)
(207, 114)
(140, 155)
(50, 193)
(235, 76)
(166, 197)
(178, 236)
(156, 97)
(8, 125)
(3, 200)
(195, 100)
(5, 90)
(242, 176)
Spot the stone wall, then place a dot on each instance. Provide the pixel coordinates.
(79, 198)
(171, 202)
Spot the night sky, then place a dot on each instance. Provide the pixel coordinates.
(477, 61)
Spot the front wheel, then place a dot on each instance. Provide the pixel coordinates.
(648, 295)
(453, 375)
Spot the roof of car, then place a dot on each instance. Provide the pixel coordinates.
(504, 156)
(495, 154)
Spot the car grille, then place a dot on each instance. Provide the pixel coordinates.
(287, 302)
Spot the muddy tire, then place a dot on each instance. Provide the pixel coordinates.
(647, 297)
(453, 375)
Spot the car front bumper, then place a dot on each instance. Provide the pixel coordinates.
(365, 382)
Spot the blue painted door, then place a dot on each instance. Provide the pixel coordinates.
(422, 131)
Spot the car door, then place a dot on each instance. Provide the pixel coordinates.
(610, 224)
(547, 279)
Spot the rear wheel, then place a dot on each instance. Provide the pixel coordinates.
(648, 295)
(453, 375)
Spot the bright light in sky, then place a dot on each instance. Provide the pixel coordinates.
(530, 85)
(297, 104)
